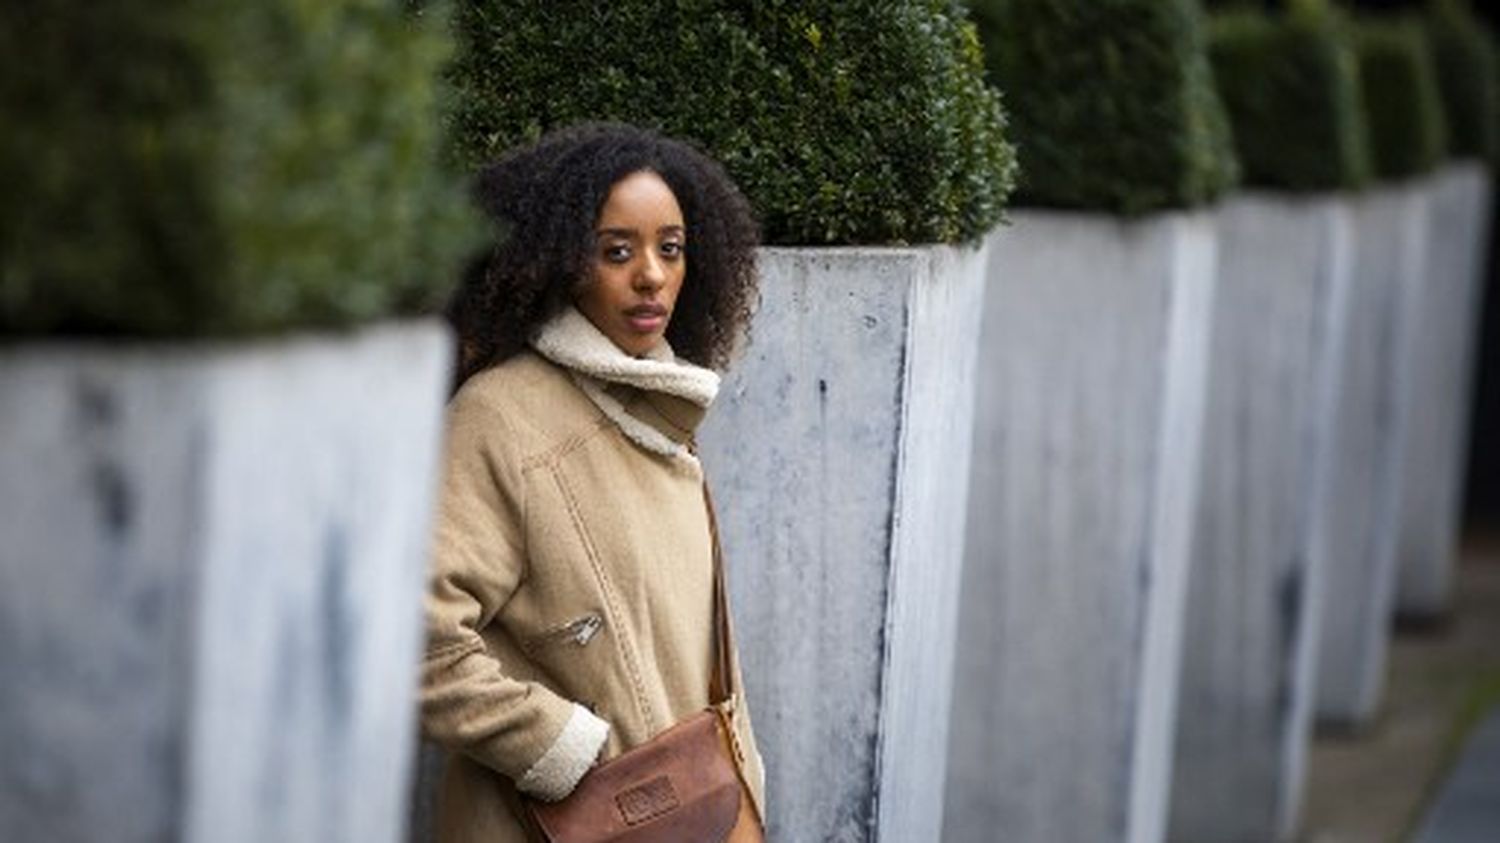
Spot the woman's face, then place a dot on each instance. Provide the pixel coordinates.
(639, 261)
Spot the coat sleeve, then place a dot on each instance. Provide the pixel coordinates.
(521, 729)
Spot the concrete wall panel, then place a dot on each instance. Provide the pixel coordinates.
(1356, 532)
(837, 452)
(1438, 392)
(1247, 687)
(209, 586)
(1085, 466)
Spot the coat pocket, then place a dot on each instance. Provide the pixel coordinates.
(575, 633)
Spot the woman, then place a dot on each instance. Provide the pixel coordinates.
(569, 610)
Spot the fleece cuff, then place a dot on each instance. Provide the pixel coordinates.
(557, 772)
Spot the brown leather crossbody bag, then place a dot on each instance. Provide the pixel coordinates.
(686, 785)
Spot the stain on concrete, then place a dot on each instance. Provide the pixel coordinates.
(113, 496)
(338, 630)
(96, 404)
(1290, 595)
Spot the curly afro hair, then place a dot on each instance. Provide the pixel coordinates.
(546, 198)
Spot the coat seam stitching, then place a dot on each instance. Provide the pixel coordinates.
(611, 604)
(552, 455)
(446, 651)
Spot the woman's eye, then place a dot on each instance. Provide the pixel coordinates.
(619, 253)
(672, 249)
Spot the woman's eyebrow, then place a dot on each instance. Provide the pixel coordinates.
(615, 232)
(630, 232)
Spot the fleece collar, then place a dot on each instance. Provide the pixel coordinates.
(656, 400)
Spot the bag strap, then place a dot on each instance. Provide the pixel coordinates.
(721, 680)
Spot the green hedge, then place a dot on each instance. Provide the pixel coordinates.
(1112, 102)
(1407, 131)
(1466, 72)
(187, 169)
(861, 121)
(1290, 82)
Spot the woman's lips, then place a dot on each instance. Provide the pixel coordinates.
(646, 319)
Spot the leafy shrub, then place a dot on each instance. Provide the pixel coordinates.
(1290, 82)
(185, 169)
(1407, 131)
(1112, 102)
(1464, 51)
(861, 121)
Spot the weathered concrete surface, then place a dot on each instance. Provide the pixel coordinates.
(1354, 534)
(1247, 686)
(1373, 785)
(837, 451)
(1440, 351)
(209, 586)
(1468, 810)
(1086, 444)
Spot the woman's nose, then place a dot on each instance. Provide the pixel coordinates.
(652, 274)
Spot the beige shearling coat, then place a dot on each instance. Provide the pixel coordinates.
(569, 606)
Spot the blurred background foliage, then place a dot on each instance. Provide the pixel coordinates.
(1464, 50)
(1290, 81)
(857, 121)
(1112, 102)
(187, 168)
(1408, 130)
(191, 169)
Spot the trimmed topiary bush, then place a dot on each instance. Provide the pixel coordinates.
(187, 169)
(1290, 82)
(864, 121)
(1112, 102)
(1464, 52)
(1407, 134)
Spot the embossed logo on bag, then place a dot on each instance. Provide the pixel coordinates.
(648, 801)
